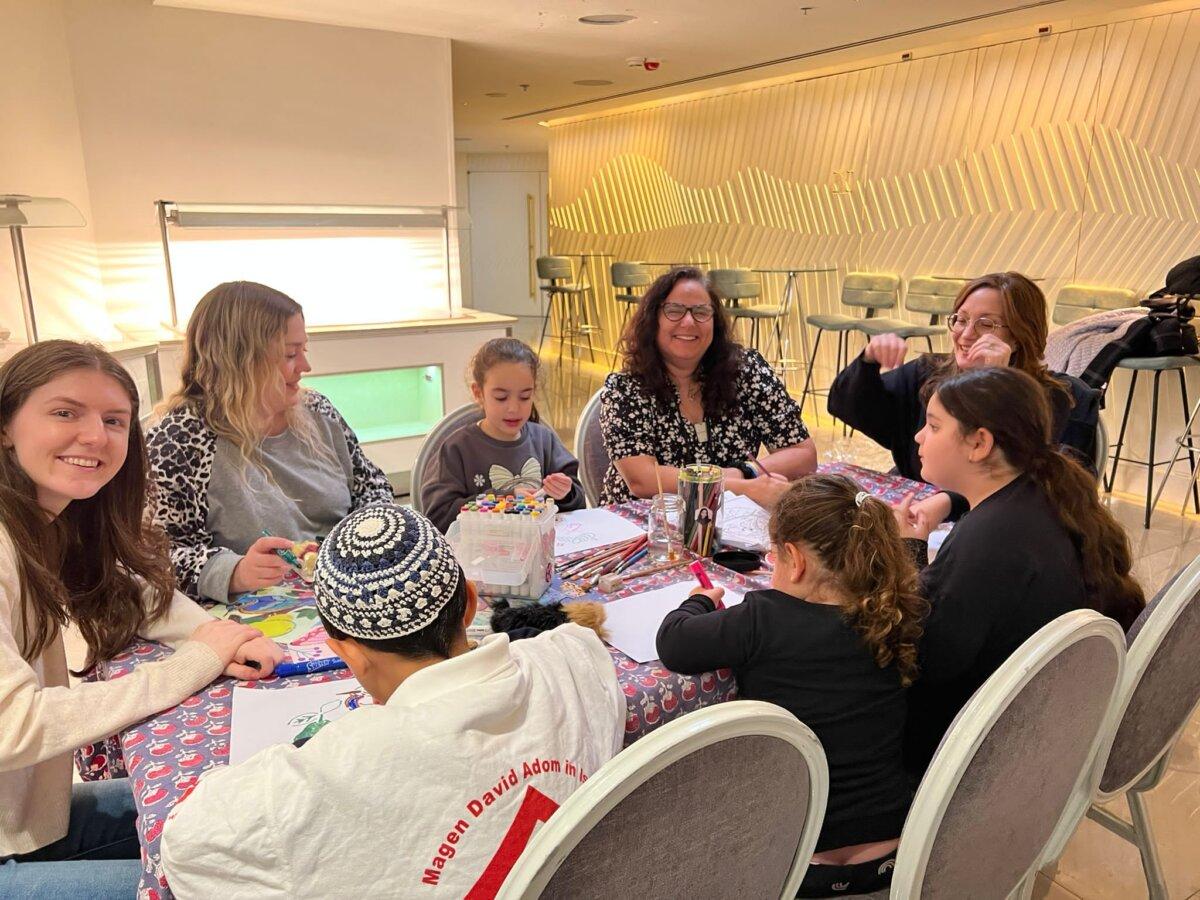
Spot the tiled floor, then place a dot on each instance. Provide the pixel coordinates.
(1097, 865)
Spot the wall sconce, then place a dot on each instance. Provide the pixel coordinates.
(20, 211)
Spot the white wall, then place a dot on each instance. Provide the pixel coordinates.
(41, 153)
(121, 103)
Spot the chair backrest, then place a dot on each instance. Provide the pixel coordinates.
(934, 296)
(1075, 301)
(467, 414)
(1101, 449)
(589, 449)
(874, 291)
(1018, 754)
(724, 802)
(1161, 688)
(630, 274)
(734, 284)
(554, 268)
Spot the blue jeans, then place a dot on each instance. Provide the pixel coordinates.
(99, 858)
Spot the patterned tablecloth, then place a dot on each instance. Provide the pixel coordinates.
(166, 754)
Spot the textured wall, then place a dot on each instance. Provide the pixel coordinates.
(1073, 158)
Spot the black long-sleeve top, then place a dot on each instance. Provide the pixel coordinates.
(807, 658)
(887, 407)
(1008, 568)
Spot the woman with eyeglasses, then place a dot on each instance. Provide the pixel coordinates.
(689, 393)
(998, 320)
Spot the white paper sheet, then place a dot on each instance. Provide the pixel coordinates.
(743, 524)
(586, 529)
(263, 717)
(632, 622)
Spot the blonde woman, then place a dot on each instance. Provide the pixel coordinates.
(243, 448)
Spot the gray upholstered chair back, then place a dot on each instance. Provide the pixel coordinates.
(555, 268)
(1075, 301)
(873, 291)
(735, 284)
(680, 813)
(1162, 684)
(1017, 756)
(630, 274)
(934, 296)
(467, 414)
(589, 449)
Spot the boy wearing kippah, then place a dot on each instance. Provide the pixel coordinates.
(437, 788)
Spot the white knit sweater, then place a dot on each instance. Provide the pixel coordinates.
(42, 719)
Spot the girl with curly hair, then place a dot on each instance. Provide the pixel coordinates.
(834, 642)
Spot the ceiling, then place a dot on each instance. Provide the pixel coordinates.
(533, 50)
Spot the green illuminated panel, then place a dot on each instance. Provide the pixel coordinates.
(385, 404)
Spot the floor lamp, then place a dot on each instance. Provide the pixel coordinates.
(20, 211)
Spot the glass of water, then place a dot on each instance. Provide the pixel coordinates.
(662, 529)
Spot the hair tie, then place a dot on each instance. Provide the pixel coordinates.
(860, 497)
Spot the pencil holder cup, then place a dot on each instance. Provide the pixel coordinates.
(662, 527)
(701, 487)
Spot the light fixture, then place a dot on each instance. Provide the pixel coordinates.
(445, 221)
(592, 82)
(544, 123)
(606, 19)
(19, 211)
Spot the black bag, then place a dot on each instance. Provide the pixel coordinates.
(1167, 330)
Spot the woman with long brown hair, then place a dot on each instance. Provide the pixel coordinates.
(690, 393)
(75, 550)
(834, 641)
(244, 448)
(998, 320)
(1035, 544)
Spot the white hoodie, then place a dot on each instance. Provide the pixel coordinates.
(434, 793)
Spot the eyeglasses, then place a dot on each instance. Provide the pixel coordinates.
(676, 311)
(983, 325)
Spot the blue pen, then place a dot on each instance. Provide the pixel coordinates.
(326, 664)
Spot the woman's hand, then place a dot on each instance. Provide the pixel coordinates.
(261, 566)
(766, 490)
(888, 350)
(913, 523)
(225, 638)
(732, 474)
(260, 649)
(557, 485)
(989, 350)
(714, 594)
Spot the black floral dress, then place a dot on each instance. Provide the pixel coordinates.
(634, 423)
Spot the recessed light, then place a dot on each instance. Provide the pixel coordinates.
(495, 94)
(592, 82)
(607, 19)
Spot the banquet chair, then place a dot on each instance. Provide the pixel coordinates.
(654, 822)
(431, 448)
(589, 450)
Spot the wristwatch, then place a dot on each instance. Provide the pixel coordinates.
(746, 469)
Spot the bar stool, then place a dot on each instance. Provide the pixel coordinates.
(572, 318)
(871, 292)
(1075, 301)
(1157, 365)
(733, 286)
(625, 277)
(925, 294)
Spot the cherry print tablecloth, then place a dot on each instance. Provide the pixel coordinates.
(166, 754)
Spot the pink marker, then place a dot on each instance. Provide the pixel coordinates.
(697, 568)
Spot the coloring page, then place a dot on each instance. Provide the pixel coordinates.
(587, 529)
(263, 717)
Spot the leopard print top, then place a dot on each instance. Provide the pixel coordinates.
(181, 449)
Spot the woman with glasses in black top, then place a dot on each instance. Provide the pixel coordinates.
(998, 320)
(689, 393)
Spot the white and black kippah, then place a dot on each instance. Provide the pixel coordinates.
(384, 572)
